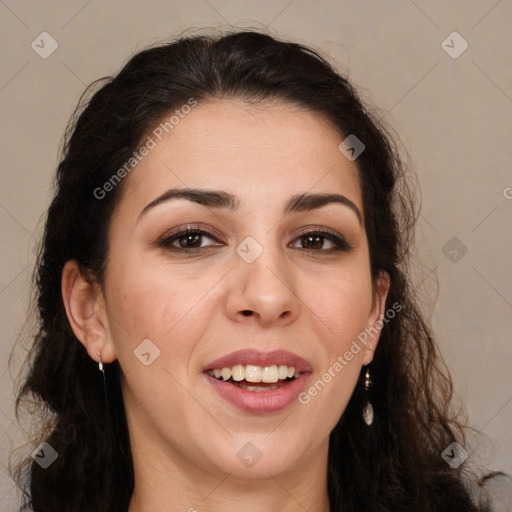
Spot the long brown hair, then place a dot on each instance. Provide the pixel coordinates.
(396, 464)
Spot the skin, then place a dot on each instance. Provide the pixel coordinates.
(313, 302)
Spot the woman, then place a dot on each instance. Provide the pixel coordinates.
(225, 316)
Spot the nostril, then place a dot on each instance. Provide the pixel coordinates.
(247, 312)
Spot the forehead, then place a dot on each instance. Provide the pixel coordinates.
(265, 153)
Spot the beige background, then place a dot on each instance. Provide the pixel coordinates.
(453, 115)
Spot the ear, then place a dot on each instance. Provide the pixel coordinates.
(376, 316)
(86, 311)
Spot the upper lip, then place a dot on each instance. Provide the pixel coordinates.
(258, 358)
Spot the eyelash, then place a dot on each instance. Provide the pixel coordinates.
(339, 242)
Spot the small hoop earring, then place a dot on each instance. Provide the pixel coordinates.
(368, 410)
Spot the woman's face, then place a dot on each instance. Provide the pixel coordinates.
(277, 269)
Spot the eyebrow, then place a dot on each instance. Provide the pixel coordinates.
(220, 199)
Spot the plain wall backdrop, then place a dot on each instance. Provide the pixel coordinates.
(451, 106)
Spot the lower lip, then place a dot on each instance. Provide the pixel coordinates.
(259, 402)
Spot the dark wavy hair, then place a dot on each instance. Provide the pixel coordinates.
(393, 466)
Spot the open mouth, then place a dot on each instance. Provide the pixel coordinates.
(257, 382)
(256, 378)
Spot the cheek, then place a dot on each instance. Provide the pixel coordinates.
(341, 306)
(154, 338)
(162, 306)
(343, 303)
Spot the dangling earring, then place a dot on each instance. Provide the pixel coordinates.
(102, 370)
(368, 410)
(107, 401)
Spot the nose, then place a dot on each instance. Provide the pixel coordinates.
(264, 291)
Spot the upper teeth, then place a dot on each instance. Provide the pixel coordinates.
(253, 373)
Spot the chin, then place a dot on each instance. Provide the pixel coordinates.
(259, 456)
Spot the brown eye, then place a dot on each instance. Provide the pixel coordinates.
(312, 241)
(188, 240)
(318, 240)
(193, 240)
